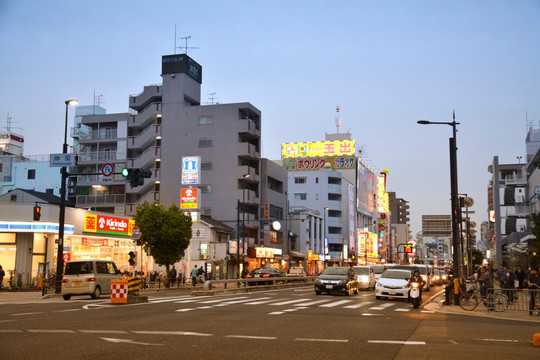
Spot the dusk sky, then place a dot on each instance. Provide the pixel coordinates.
(386, 64)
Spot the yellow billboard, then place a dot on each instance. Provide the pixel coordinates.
(315, 149)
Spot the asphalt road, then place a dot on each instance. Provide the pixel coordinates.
(276, 324)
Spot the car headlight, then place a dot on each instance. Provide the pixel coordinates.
(364, 278)
(344, 281)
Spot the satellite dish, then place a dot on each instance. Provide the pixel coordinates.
(468, 202)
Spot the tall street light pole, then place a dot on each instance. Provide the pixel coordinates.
(453, 191)
(61, 221)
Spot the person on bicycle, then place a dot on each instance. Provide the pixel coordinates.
(534, 284)
(485, 280)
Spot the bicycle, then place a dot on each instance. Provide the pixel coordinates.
(496, 301)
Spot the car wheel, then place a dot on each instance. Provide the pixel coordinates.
(97, 293)
(317, 292)
(67, 297)
(378, 297)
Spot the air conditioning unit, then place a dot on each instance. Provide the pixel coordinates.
(203, 256)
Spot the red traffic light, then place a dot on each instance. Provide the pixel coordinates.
(37, 212)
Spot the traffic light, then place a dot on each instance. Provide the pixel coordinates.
(407, 248)
(132, 258)
(37, 212)
(136, 176)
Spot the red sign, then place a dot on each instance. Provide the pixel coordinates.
(189, 198)
(107, 224)
(95, 242)
(66, 257)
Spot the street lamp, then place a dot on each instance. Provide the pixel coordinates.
(453, 189)
(63, 170)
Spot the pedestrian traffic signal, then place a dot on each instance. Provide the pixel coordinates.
(136, 176)
(37, 212)
(132, 258)
(407, 248)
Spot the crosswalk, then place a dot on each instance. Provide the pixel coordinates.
(286, 305)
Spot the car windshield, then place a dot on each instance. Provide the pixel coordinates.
(396, 274)
(379, 269)
(335, 271)
(421, 270)
(361, 271)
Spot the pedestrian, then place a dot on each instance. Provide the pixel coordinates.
(507, 282)
(2, 274)
(194, 273)
(245, 272)
(201, 274)
(520, 275)
(533, 283)
(172, 276)
(449, 289)
(485, 280)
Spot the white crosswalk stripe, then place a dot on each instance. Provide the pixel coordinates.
(337, 303)
(288, 302)
(382, 306)
(356, 306)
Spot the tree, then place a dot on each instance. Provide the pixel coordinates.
(477, 257)
(166, 232)
(534, 260)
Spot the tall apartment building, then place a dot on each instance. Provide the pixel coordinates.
(399, 209)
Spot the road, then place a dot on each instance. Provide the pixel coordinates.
(275, 324)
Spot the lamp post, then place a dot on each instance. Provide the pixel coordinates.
(453, 190)
(325, 237)
(62, 217)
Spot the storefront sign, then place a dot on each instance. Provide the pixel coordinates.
(190, 170)
(314, 149)
(95, 242)
(16, 226)
(107, 225)
(318, 163)
(189, 198)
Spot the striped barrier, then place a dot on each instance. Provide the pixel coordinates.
(134, 285)
(119, 291)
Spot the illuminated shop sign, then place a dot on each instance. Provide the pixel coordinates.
(368, 244)
(107, 224)
(382, 196)
(317, 149)
(17, 226)
(189, 198)
(313, 163)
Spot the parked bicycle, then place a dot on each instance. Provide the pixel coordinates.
(470, 296)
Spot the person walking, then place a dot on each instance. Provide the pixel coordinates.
(2, 274)
(520, 275)
(533, 283)
(507, 282)
(172, 276)
(194, 273)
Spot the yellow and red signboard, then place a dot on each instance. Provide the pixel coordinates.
(317, 149)
(318, 163)
(107, 224)
(368, 244)
(189, 198)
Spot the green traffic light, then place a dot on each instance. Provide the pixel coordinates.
(124, 172)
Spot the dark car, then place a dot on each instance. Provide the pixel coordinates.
(263, 273)
(337, 279)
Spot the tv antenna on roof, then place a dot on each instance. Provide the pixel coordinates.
(185, 48)
(212, 97)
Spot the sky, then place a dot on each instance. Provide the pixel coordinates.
(385, 63)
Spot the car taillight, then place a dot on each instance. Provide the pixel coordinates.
(65, 281)
(90, 279)
(266, 275)
(249, 276)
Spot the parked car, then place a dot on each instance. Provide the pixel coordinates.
(263, 273)
(337, 279)
(297, 271)
(365, 275)
(89, 277)
(394, 283)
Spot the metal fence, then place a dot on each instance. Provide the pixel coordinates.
(520, 299)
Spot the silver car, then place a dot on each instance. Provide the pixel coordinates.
(89, 277)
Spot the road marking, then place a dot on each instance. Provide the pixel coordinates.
(382, 306)
(205, 307)
(288, 302)
(183, 333)
(402, 310)
(129, 341)
(396, 342)
(184, 310)
(68, 310)
(323, 340)
(161, 300)
(277, 313)
(220, 300)
(356, 306)
(501, 340)
(427, 311)
(103, 331)
(311, 303)
(251, 337)
(335, 303)
(259, 302)
(10, 331)
(368, 314)
(88, 306)
(52, 331)
(24, 314)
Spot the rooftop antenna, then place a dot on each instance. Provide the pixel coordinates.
(9, 122)
(212, 97)
(185, 48)
(338, 119)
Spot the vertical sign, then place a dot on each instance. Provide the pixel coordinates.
(191, 172)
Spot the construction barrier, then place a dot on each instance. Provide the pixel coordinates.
(119, 291)
(134, 285)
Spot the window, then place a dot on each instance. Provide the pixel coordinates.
(300, 180)
(31, 174)
(205, 189)
(206, 165)
(205, 142)
(206, 120)
(300, 196)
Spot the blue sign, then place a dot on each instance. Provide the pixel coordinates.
(61, 160)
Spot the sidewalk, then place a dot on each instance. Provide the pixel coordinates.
(436, 303)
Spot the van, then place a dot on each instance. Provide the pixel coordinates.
(89, 277)
(365, 275)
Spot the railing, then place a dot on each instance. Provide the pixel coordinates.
(98, 155)
(98, 134)
(257, 282)
(520, 299)
(100, 199)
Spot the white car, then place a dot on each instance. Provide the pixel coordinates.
(365, 277)
(393, 284)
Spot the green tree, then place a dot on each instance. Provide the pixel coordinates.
(166, 232)
(477, 257)
(534, 244)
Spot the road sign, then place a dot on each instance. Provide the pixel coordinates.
(136, 232)
(61, 160)
(107, 169)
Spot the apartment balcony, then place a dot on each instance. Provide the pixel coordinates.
(91, 157)
(91, 136)
(253, 173)
(249, 151)
(334, 189)
(99, 200)
(151, 93)
(146, 116)
(88, 180)
(150, 197)
(515, 180)
(146, 159)
(145, 138)
(249, 129)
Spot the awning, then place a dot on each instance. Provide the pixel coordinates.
(297, 254)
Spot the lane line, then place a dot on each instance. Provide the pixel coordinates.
(322, 340)
(221, 300)
(184, 310)
(277, 313)
(10, 331)
(51, 331)
(497, 340)
(395, 342)
(251, 337)
(24, 314)
(68, 310)
(183, 333)
(103, 331)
